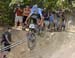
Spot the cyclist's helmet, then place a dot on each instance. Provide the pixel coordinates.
(35, 9)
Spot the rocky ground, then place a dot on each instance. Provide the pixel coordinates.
(50, 45)
(54, 45)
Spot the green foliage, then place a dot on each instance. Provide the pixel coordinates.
(50, 4)
(6, 12)
(5, 17)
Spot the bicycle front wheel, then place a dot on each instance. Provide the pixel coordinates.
(31, 41)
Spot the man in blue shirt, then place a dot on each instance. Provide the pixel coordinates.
(51, 20)
(36, 13)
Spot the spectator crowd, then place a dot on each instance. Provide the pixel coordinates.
(51, 19)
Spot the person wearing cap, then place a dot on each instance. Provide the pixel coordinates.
(35, 10)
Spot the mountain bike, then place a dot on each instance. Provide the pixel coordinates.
(31, 36)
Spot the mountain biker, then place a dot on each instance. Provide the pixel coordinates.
(36, 14)
(46, 17)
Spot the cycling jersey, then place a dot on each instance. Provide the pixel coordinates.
(36, 10)
(34, 17)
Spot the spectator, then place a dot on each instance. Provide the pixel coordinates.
(46, 17)
(63, 21)
(59, 19)
(51, 21)
(18, 16)
(6, 41)
(26, 12)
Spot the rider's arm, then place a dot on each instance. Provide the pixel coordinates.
(40, 12)
(29, 16)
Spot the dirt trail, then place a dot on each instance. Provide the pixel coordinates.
(51, 45)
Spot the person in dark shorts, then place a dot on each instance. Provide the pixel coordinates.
(6, 38)
(6, 41)
(26, 12)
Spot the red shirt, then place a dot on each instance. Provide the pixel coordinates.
(19, 12)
